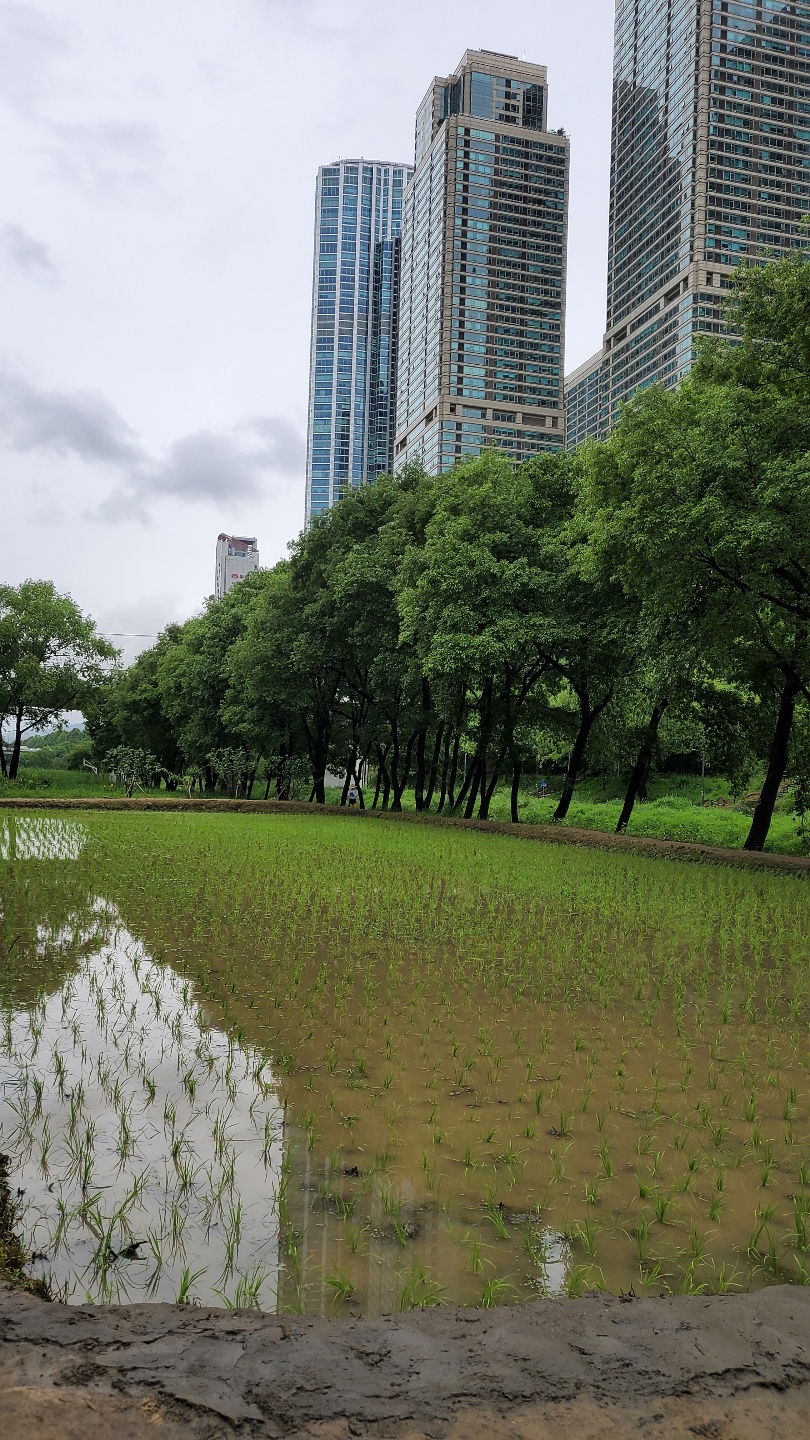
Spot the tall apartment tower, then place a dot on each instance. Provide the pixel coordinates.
(710, 165)
(482, 297)
(352, 386)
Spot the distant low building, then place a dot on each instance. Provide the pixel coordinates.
(237, 557)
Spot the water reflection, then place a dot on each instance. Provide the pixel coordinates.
(148, 1144)
(35, 838)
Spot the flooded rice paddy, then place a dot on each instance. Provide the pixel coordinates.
(350, 1067)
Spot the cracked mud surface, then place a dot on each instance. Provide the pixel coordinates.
(721, 1367)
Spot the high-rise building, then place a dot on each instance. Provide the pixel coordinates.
(584, 402)
(482, 296)
(352, 386)
(237, 557)
(710, 165)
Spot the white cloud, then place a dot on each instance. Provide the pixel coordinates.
(29, 40)
(106, 154)
(27, 254)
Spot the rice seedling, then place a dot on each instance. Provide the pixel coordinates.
(187, 1280)
(229, 986)
(341, 1287)
(420, 1291)
(496, 1292)
(494, 1212)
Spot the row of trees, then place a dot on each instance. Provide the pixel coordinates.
(653, 590)
(647, 594)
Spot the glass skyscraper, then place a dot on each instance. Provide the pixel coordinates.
(352, 387)
(482, 298)
(710, 165)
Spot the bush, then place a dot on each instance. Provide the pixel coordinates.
(78, 756)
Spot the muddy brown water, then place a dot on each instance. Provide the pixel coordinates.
(212, 1142)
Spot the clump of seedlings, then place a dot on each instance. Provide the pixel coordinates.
(479, 1071)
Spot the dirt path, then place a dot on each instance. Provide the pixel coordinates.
(727, 1367)
(547, 834)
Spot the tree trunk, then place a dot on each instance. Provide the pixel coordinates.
(350, 775)
(358, 771)
(445, 768)
(470, 779)
(479, 783)
(421, 747)
(319, 774)
(777, 765)
(400, 781)
(451, 784)
(588, 717)
(15, 752)
(3, 770)
(434, 766)
(381, 772)
(488, 789)
(638, 779)
(517, 771)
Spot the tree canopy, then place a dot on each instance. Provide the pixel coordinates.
(590, 609)
(51, 660)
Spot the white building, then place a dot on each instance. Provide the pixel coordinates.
(237, 557)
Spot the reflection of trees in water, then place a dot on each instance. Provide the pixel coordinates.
(34, 838)
(146, 1143)
(50, 920)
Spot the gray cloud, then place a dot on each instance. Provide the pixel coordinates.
(65, 422)
(28, 254)
(213, 466)
(106, 155)
(206, 466)
(28, 41)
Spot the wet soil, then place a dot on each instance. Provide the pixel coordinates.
(723, 1367)
(547, 834)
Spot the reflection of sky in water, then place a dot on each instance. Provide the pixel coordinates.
(147, 1143)
(24, 838)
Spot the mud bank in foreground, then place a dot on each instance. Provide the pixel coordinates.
(728, 1367)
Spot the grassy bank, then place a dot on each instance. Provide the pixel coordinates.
(673, 812)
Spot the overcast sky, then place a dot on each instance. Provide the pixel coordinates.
(158, 163)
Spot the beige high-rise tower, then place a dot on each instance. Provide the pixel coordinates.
(482, 291)
(710, 166)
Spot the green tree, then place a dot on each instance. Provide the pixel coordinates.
(51, 659)
(705, 497)
(193, 676)
(127, 709)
